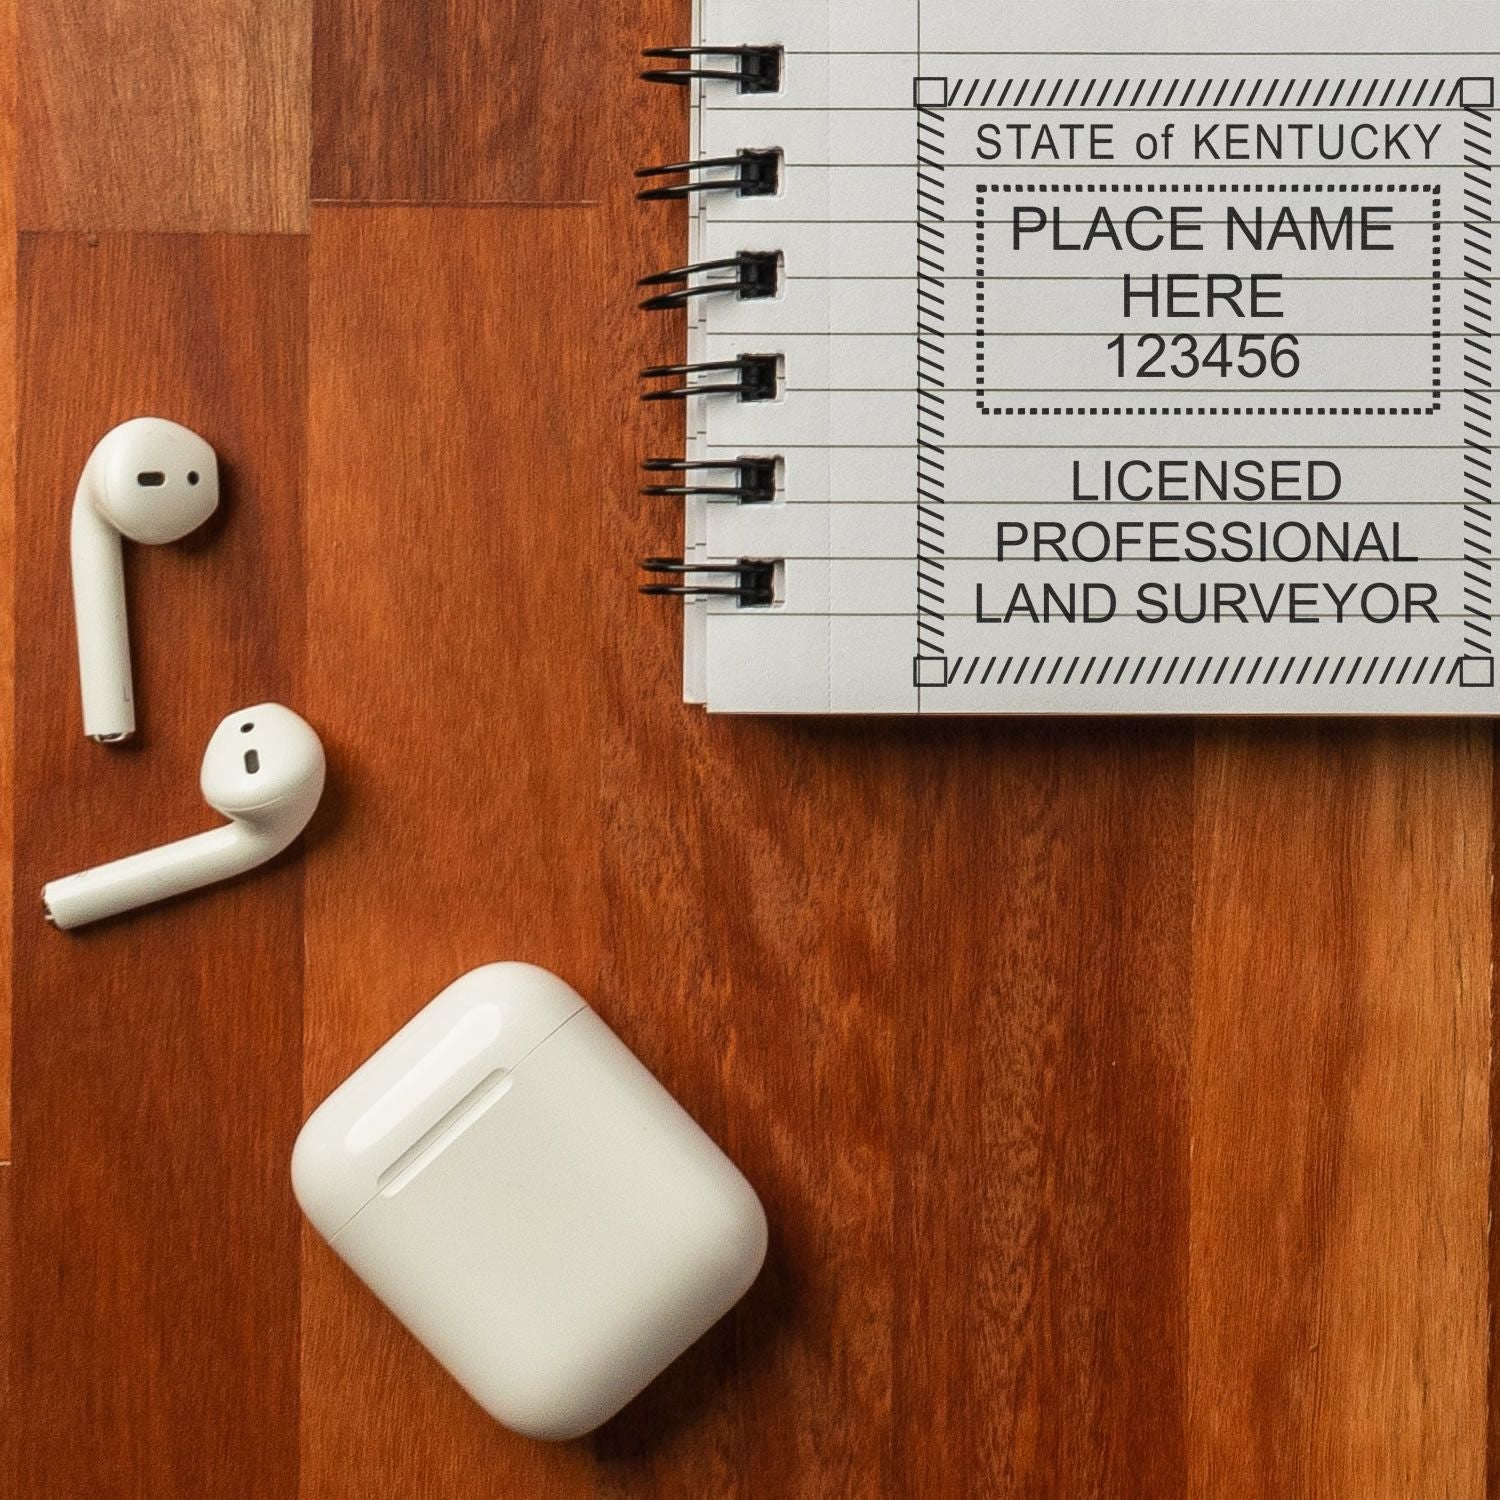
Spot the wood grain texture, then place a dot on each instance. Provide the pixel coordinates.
(448, 630)
(470, 101)
(771, 914)
(1341, 1110)
(1120, 1093)
(10, 1427)
(156, 1243)
(155, 115)
(1045, 1145)
(7, 534)
(1492, 1445)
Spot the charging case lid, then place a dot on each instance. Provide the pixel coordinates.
(483, 1024)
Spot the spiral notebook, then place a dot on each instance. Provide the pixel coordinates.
(1084, 358)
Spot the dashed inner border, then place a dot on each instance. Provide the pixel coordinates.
(1211, 411)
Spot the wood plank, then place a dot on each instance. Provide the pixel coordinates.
(1044, 1183)
(1492, 1426)
(8, 1429)
(158, 1056)
(152, 115)
(456, 611)
(1339, 1314)
(469, 101)
(755, 893)
(7, 536)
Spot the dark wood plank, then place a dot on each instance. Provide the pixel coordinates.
(158, 1057)
(1341, 1110)
(1043, 1190)
(472, 101)
(148, 114)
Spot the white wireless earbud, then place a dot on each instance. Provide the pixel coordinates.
(263, 770)
(150, 480)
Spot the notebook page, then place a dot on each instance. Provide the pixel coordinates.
(1149, 378)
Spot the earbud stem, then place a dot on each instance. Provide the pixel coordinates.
(155, 875)
(103, 631)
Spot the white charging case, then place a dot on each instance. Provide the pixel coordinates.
(509, 1179)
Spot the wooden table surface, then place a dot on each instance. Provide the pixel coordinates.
(1120, 1093)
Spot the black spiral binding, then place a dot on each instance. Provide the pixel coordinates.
(757, 174)
(754, 579)
(748, 275)
(757, 273)
(755, 478)
(757, 70)
(755, 377)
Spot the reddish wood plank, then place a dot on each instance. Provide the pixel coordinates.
(755, 878)
(1045, 1154)
(158, 1057)
(459, 397)
(1340, 1111)
(8, 1429)
(1492, 1442)
(486, 100)
(146, 114)
(7, 534)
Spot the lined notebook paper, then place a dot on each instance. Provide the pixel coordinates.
(1126, 358)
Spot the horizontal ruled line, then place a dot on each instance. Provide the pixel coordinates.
(1302, 164)
(1329, 508)
(1256, 110)
(1114, 280)
(1248, 565)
